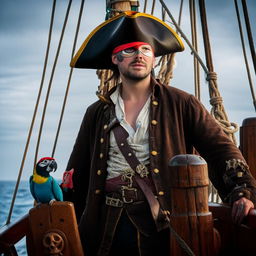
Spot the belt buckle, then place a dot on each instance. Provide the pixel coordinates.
(126, 188)
(116, 202)
(142, 170)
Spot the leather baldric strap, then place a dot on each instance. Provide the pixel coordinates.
(121, 136)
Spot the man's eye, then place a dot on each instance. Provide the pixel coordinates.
(129, 50)
(146, 49)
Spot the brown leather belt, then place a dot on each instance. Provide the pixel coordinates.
(124, 196)
(119, 192)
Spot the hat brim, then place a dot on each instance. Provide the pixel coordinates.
(95, 52)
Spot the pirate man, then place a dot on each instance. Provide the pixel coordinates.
(126, 139)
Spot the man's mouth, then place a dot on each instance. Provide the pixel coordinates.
(138, 64)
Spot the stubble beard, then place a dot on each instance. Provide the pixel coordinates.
(136, 76)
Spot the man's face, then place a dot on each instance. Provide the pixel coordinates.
(135, 63)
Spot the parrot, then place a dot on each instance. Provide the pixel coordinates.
(43, 187)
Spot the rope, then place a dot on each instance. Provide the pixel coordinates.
(217, 110)
(153, 7)
(145, 6)
(167, 62)
(245, 55)
(213, 89)
(34, 115)
(249, 33)
(194, 42)
(180, 12)
(50, 82)
(106, 77)
(69, 79)
(179, 30)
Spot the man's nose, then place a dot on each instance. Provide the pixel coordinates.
(138, 54)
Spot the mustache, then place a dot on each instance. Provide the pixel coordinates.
(138, 62)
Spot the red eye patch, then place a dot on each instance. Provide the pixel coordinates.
(122, 47)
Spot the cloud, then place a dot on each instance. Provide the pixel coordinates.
(24, 29)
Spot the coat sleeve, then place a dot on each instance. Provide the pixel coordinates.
(79, 161)
(228, 170)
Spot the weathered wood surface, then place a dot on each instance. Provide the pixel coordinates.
(54, 230)
(248, 142)
(190, 215)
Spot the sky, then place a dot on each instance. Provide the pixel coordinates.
(24, 27)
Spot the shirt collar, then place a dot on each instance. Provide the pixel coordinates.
(112, 95)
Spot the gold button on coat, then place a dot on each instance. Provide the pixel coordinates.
(105, 127)
(239, 174)
(154, 102)
(154, 153)
(97, 191)
(101, 155)
(101, 140)
(154, 122)
(99, 172)
(156, 170)
(161, 193)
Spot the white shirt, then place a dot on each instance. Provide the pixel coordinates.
(138, 139)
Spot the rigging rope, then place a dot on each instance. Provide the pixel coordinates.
(245, 56)
(145, 6)
(153, 7)
(194, 42)
(107, 78)
(69, 79)
(50, 82)
(249, 33)
(34, 115)
(184, 37)
(167, 62)
(218, 110)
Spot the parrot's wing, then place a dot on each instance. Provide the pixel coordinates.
(57, 190)
(31, 183)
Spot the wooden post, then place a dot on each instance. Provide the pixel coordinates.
(248, 142)
(124, 5)
(53, 230)
(190, 215)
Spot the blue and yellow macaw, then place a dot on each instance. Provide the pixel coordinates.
(43, 187)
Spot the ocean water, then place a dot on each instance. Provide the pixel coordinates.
(23, 203)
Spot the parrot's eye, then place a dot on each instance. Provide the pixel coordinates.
(44, 163)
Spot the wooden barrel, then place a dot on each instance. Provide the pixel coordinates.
(248, 142)
(190, 215)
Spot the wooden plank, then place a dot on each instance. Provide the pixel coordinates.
(13, 233)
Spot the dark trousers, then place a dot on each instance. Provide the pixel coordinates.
(129, 242)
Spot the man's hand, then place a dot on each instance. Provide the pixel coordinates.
(241, 209)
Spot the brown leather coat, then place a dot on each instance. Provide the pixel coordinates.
(178, 122)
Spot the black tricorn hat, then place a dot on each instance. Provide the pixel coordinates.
(129, 26)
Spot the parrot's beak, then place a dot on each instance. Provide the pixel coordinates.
(52, 167)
